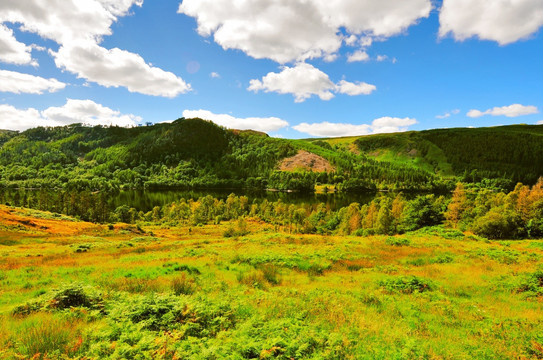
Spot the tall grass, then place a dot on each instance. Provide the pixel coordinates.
(43, 336)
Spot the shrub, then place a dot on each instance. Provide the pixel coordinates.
(532, 284)
(197, 317)
(499, 224)
(397, 241)
(65, 297)
(406, 284)
(76, 295)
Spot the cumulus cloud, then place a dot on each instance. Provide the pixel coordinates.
(540, 122)
(353, 89)
(65, 21)
(15, 82)
(74, 111)
(378, 126)
(503, 21)
(514, 110)
(13, 51)
(296, 30)
(359, 55)
(79, 26)
(448, 114)
(215, 75)
(303, 81)
(116, 67)
(251, 123)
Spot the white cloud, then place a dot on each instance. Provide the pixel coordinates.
(504, 21)
(381, 58)
(15, 82)
(304, 80)
(116, 67)
(514, 110)
(359, 55)
(252, 123)
(296, 30)
(74, 111)
(352, 89)
(215, 75)
(67, 20)
(90, 113)
(448, 114)
(13, 51)
(378, 126)
(351, 40)
(540, 122)
(79, 26)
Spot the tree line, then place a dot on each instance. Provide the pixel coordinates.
(492, 214)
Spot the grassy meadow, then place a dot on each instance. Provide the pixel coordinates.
(248, 290)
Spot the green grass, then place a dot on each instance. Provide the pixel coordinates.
(432, 294)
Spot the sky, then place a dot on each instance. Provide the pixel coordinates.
(290, 68)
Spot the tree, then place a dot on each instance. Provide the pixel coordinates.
(457, 206)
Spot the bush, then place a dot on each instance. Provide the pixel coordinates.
(406, 284)
(76, 295)
(197, 317)
(65, 297)
(499, 224)
(397, 241)
(532, 284)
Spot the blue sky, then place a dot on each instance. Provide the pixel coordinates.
(291, 68)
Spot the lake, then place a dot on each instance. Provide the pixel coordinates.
(145, 200)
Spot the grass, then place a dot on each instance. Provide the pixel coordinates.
(196, 294)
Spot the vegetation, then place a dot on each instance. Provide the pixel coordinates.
(166, 290)
(431, 275)
(510, 154)
(193, 153)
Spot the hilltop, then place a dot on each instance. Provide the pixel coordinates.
(194, 153)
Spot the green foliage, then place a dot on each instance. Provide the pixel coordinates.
(503, 153)
(397, 241)
(531, 284)
(499, 224)
(406, 284)
(65, 297)
(423, 211)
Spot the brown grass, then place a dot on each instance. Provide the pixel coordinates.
(304, 160)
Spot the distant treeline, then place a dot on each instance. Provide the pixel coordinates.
(494, 215)
(193, 153)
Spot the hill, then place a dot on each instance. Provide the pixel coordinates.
(512, 152)
(194, 153)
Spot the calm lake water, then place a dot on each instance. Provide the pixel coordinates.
(146, 200)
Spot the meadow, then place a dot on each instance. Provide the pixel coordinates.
(246, 289)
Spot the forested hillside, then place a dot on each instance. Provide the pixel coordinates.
(510, 152)
(193, 153)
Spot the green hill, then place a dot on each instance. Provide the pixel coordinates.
(193, 153)
(512, 152)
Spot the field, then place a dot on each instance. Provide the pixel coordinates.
(248, 290)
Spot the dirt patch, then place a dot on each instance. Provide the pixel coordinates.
(413, 152)
(304, 160)
(354, 149)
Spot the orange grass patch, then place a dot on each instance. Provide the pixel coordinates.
(10, 217)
